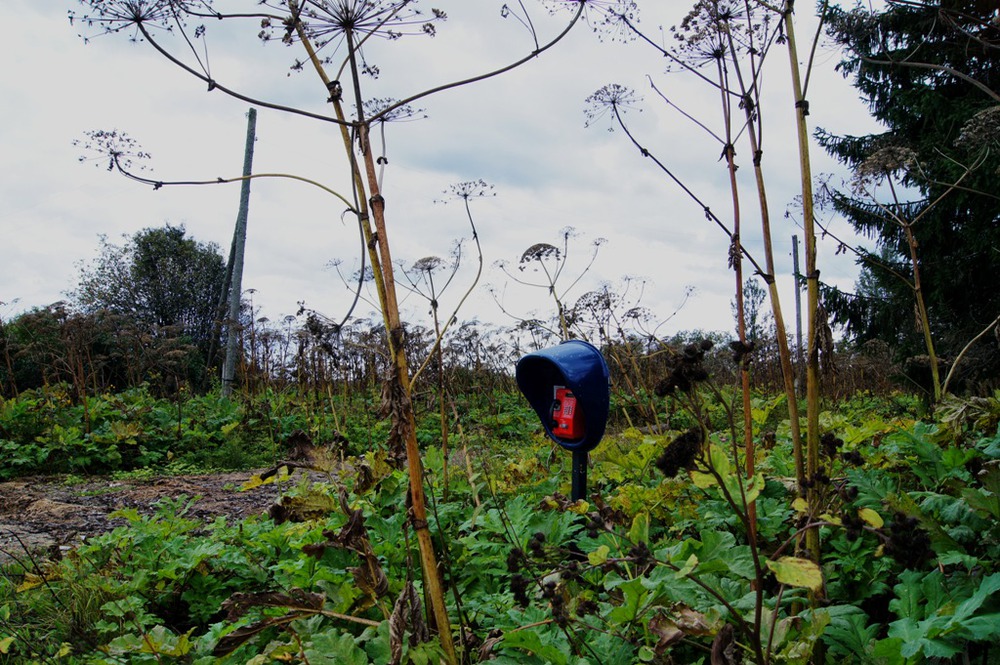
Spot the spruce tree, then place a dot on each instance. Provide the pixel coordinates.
(930, 73)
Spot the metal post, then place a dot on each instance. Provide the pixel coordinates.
(579, 486)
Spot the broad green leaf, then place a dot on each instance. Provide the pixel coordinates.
(938, 648)
(982, 628)
(908, 632)
(634, 597)
(800, 650)
(968, 607)
(849, 632)
(775, 633)
(719, 461)
(376, 642)
(889, 651)
(333, 648)
(715, 545)
(529, 640)
(909, 593)
(797, 572)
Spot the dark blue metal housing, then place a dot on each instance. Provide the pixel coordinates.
(578, 366)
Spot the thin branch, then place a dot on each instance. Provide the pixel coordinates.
(219, 181)
(215, 85)
(951, 371)
(482, 77)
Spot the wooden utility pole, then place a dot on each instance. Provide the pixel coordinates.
(239, 246)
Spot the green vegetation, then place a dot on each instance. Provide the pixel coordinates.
(658, 566)
(422, 518)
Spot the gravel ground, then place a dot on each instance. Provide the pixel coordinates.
(41, 515)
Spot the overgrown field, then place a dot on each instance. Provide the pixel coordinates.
(663, 563)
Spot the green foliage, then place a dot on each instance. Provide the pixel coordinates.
(935, 109)
(159, 277)
(646, 569)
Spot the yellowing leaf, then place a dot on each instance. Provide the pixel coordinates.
(798, 572)
(689, 565)
(702, 480)
(580, 507)
(252, 483)
(639, 533)
(32, 580)
(800, 505)
(599, 556)
(258, 480)
(64, 650)
(754, 487)
(827, 517)
(125, 431)
(871, 517)
(719, 461)
(5, 644)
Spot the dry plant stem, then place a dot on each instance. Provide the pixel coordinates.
(221, 181)
(454, 315)
(394, 328)
(781, 334)
(812, 283)
(385, 285)
(364, 220)
(741, 331)
(694, 197)
(918, 294)
(444, 419)
(214, 85)
(961, 354)
(465, 453)
(736, 261)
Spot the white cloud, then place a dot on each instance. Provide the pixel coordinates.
(523, 132)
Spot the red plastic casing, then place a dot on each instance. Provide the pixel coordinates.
(567, 420)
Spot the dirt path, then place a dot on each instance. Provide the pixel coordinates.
(43, 514)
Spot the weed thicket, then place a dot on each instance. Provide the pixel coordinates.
(650, 569)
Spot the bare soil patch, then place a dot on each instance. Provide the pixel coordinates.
(45, 515)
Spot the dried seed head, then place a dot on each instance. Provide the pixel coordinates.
(680, 453)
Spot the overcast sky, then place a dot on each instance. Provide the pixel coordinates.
(524, 133)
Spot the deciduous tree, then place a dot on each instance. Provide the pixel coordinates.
(159, 277)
